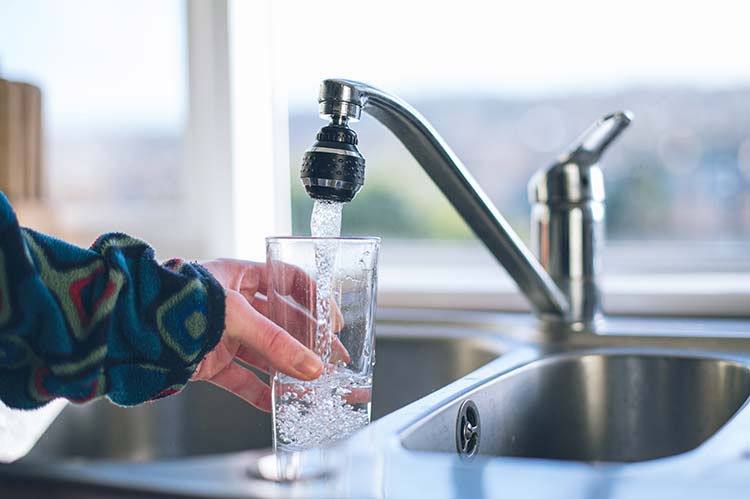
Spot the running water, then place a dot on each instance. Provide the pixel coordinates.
(325, 222)
(315, 413)
(326, 219)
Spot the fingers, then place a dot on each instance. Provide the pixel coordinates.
(339, 352)
(249, 278)
(298, 323)
(351, 396)
(237, 275)
(253, 358)
(291, 317)
(337, 318)
(277, 347)
(290, 280)
(301, 324)
(254, 280)
(307, 301)
(246, 385)
(358, 396)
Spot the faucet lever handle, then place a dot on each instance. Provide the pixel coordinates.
(590, 146)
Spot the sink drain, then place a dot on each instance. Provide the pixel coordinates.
(468, 431)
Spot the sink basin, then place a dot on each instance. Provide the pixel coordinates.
(619, 407)
(204, 419)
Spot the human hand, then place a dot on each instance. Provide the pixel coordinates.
(250, 336)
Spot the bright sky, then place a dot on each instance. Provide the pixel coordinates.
(111, 62)
(519, 47)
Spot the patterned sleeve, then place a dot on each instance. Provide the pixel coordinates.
(106, 321)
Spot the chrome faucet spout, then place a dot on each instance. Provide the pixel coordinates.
(568, 198)
(347, 99)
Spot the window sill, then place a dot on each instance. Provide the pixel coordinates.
(716, 294)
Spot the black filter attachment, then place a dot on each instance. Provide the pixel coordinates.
(333, 168)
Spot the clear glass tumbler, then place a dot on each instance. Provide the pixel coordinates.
(322, 291)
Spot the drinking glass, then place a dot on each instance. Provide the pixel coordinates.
(322, 291)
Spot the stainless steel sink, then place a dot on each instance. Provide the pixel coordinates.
(622, 406)
(206, 420)
(659, 404)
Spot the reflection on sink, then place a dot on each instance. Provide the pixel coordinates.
(408, 368)
(204, 419)
(621, 407)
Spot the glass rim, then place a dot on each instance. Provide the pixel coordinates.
(301, 239)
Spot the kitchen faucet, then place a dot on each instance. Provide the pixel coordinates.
(561, 282)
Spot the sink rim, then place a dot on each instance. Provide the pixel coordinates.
(707, 334)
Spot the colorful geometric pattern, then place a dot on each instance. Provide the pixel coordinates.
(106, 321)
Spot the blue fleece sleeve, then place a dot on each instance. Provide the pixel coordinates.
(105, 321)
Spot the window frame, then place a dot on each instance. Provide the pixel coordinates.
(237, 165)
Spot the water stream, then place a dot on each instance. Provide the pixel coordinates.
(325, 222)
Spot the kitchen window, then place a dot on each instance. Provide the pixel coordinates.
(507, 100)
(193, 114)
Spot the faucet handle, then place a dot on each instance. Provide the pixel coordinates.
(575, 176)
(590, 146)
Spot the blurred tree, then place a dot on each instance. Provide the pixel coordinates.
(381, 210)
(638, 201)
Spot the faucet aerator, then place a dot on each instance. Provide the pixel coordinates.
(333, 168)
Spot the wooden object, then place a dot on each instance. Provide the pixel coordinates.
(21, 176)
